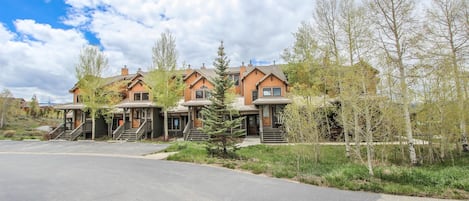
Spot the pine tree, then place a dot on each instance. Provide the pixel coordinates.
(219, 122)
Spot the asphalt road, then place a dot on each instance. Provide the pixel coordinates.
(47, 175)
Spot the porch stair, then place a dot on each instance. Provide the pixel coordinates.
(66, 135)
(273, 135)
(129, 135)
(196, 135)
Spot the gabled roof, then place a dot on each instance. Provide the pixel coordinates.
(268, 75)
(109, 80)
(267, 70)
(210, 73)
(197, 80)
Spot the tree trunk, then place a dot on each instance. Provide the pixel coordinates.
(166, 136)
(408, 125)
(2, 119)
(93, 125)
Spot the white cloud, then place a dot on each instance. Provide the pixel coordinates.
(38, 58)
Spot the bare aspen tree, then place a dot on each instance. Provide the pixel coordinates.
(395, 21)
(447, 30)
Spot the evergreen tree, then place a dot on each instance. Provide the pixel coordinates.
(219, 122)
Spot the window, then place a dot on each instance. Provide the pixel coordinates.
(235, 78)
(267, 92)
(140, 96)
(275, 91)
(145, 96)
(254, 95)
(202, 93)
(265, 111)
(174, 123)
(137, 96)
(79, 99)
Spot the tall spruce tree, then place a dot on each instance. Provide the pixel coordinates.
(219, 122)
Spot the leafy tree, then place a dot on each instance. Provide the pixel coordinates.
(92, 63)
(34, 109)
(163, 81)
(218, 121)
(6, 102)
(447, 31)
(394, 20)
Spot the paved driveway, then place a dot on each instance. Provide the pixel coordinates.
(81, 147)
(59, 174)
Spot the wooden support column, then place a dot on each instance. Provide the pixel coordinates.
(123, 116)
(261, 129)
(65, 120)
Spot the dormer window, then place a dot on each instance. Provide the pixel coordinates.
(141, 96)
(202, 93)
(274, 91)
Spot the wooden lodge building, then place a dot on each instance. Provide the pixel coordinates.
(260, 97)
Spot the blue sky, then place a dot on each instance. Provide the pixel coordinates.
(40, 40)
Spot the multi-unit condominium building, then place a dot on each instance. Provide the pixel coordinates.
(260, 98)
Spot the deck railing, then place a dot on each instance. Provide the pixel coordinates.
(77, 132)
(118, 132)
(143, 129)
(57, 132)
(187, 129)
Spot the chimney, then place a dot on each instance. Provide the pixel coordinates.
(242, 70)
(250, 63)
(188, 70)
(203, 66)
(125, 70)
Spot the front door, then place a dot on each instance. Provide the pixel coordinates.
(137, 115)
(197, 117)
(253, 124)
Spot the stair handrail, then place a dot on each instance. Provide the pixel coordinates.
(118, 132)
(187, 129)
(57, 132)
(75, 133)
(141, 130)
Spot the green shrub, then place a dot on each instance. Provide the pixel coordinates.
(256, 168)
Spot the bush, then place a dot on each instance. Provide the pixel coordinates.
(9, 133)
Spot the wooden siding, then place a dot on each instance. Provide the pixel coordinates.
(249, 85)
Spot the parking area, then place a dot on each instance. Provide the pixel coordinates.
(84, 147)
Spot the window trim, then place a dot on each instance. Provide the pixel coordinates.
(271, 91)
(171, 124)
(256, 93)
(140, 96)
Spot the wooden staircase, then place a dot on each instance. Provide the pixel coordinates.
(196, 135)
(129, 135)
(64, 136)
(273, 135)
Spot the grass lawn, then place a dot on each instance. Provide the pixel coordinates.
(335, 170)
(24, 127)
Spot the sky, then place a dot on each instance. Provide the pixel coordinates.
(40, 40)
